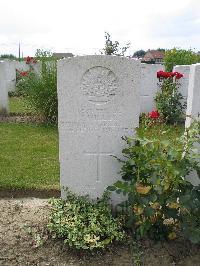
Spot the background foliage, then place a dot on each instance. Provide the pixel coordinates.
(41, 89)
(178, 56)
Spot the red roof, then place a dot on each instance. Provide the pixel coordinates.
(157, 54)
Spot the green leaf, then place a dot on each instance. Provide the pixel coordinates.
(149, 211)
(111, 188)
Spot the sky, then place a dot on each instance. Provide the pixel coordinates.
(79, 26)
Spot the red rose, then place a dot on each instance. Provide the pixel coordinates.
(29, 59)
(178, 75)
(154, 115)
(24, 73)
(165, 75)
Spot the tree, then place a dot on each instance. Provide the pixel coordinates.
(113, 48)
(178, 56)
(8, 56)
(45, 54)
(161, 49)
(139, 53)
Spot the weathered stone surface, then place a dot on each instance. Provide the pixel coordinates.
(193, 100)
(3, 90)
(98, 103)
(149, 86)
(193, 106)
(184, 81)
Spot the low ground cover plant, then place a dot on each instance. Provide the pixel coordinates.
(160, 201)
(83, 223)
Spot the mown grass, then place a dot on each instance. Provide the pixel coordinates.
(19, 105)
(28, 156)
(29, 153)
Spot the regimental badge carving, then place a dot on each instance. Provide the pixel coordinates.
(99, 84)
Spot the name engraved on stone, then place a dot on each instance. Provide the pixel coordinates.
(99, 84)
(102, 114)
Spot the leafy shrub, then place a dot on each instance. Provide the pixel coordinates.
(176, 56)
(21, 83)
(84, 224)
(169, 101)
(41, 90)
(113, 48)
(153, 179)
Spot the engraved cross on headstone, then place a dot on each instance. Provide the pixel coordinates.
(98, 155)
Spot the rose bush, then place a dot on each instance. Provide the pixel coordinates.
(169, 101)
(160, 201)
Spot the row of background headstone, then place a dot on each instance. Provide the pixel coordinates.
(8, 79)
(148, 83)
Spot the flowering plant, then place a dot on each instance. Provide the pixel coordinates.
(159, 200)
(150, 119)
(30, 60)
(22, 73)
(165, 75)
(22, 77)
(154, 114)
(169, 101)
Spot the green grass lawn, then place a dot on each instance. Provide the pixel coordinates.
(28, 156)
(29, 153)
(19, 105)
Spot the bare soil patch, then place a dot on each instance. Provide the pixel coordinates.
(21, 118)
(17, 245)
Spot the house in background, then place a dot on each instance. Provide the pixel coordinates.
(153, 57)
(62, 55)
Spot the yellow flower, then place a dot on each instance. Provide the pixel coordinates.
(172, 235)
(142, 189)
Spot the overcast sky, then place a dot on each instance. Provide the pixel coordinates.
(78, 26)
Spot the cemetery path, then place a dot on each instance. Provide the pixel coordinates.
(22, 219)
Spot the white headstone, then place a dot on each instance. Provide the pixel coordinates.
(184, 81)
(10, 69)
(193, 100)
(149, 86)
(193, 106)
(3, 90)
(98, 103)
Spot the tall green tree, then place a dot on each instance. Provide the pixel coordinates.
(8, 56)
(139, 53)
(178, 56)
